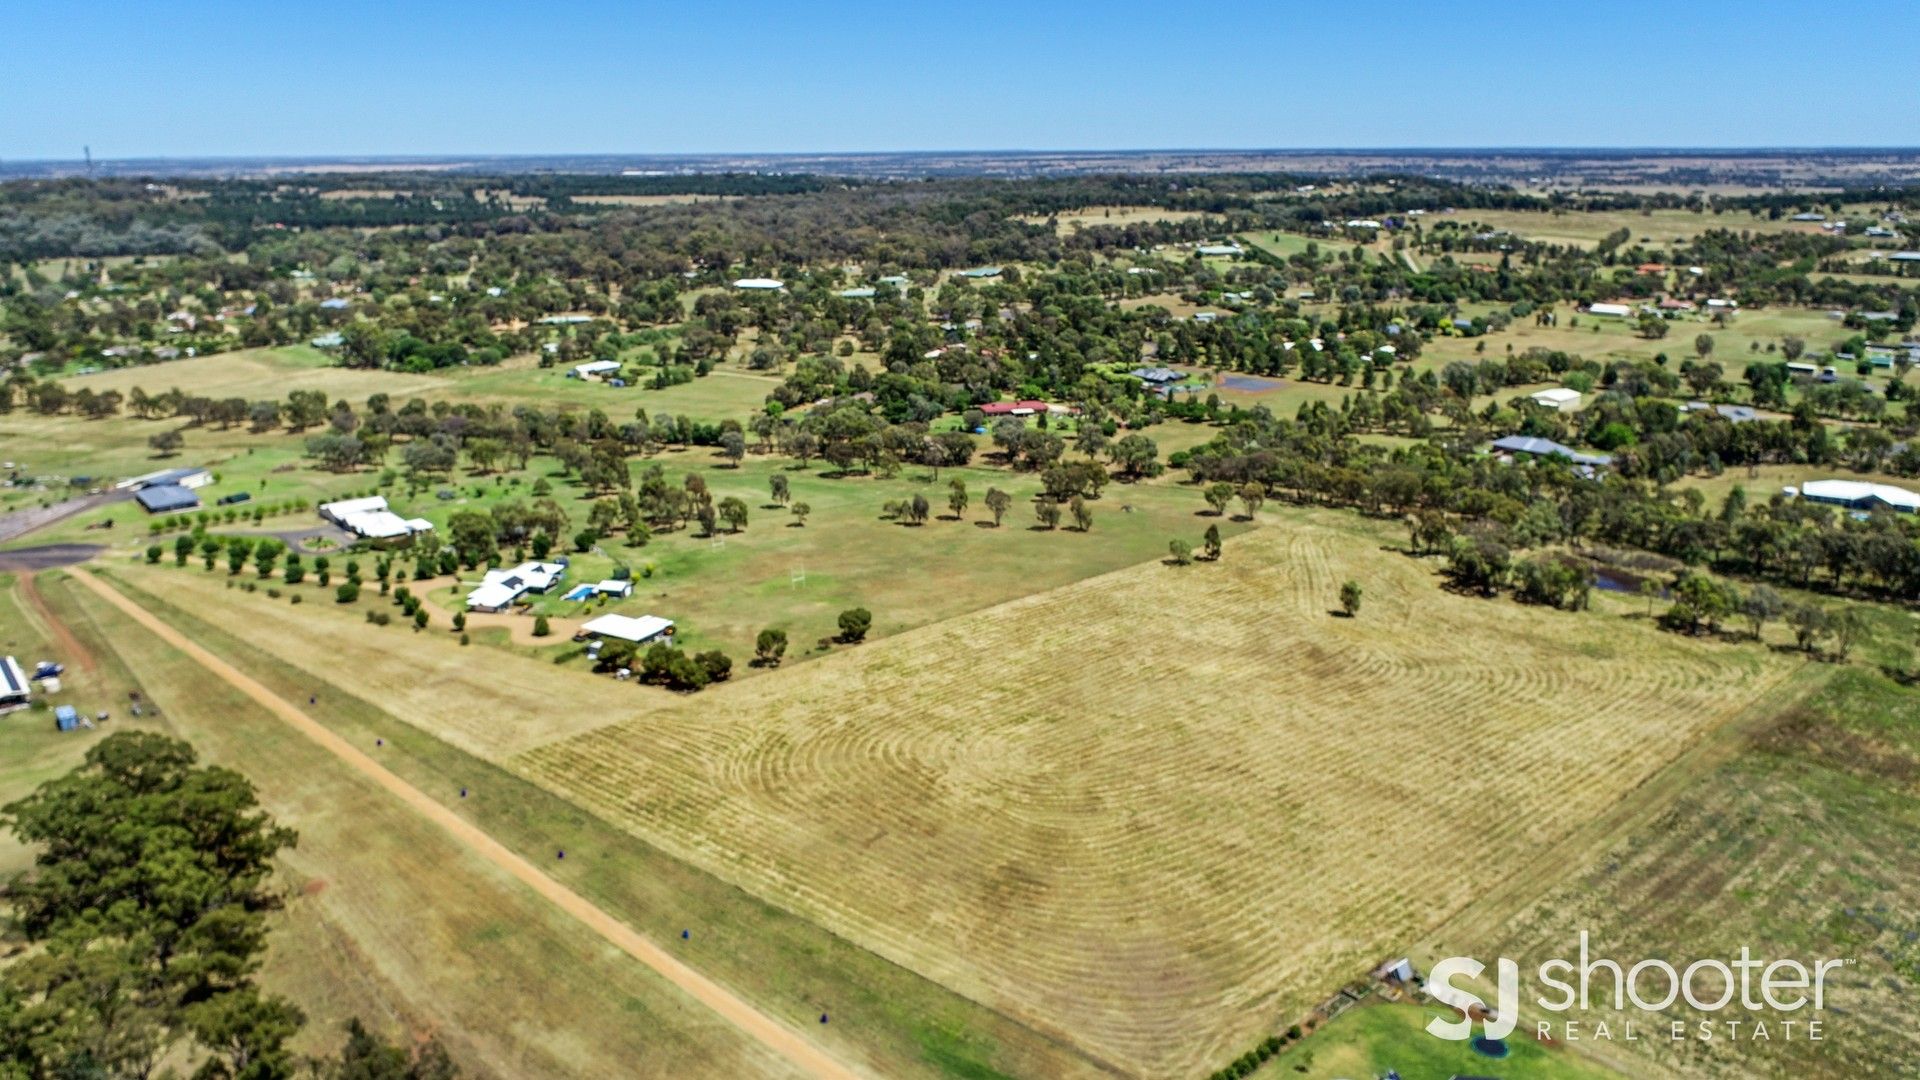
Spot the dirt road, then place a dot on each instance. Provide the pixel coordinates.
(17, 523)
(67, 648)
(773, 1034)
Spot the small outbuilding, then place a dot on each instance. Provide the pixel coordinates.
(1562, 398)
(759, 284)
(1615, 311)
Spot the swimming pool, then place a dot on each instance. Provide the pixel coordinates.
(580, 592)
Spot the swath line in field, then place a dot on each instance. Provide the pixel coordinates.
(776, 1036)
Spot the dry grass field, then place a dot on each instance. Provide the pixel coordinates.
(257, 373)
(1587, 228)
(1797, 837)
(1159, 810)
(388, 918)
(1073, 221)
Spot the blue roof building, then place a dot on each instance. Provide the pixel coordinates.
(166, 498)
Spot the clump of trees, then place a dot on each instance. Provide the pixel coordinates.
(144, 921)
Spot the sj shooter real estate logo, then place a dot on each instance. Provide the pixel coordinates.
(1779, 1000)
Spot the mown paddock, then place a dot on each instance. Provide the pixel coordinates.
(389, 919)
(890, 1020)
(1157, 811)
(1796, 836)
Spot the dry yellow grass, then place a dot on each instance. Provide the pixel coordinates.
(1154, 812)
(1158, 810)
(1072, 221)
(258, 373)
(488, 702)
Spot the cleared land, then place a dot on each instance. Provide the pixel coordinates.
(1588, 228)
(1158, 868)
(1798, 839)
(772, 1035)
(1071, 221)
(893, 1021)
(388, 918)
(256, 373)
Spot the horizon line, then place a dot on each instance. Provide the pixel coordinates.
(447, 156)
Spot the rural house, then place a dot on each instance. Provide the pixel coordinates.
(499, 589)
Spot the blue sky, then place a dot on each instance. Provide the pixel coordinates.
(200, 77)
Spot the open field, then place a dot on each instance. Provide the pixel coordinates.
(391, 920)
(1587, 228)
(1797, 839)
(727, 393)
(1072, 221)
(724, 590)
(884, 1016)
(1601, 337)
(257, 373)
(1210, 846)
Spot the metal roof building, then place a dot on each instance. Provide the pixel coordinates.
(14, 690)
(1859, 495)
(1527, 444)
(627, 628)
(166, 498)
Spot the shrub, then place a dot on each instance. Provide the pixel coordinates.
(348, 592)
(540, 627)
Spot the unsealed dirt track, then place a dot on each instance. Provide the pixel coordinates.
(776, 1036)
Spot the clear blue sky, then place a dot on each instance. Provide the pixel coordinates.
(208, 77)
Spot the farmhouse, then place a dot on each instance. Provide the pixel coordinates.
(165, 498)
(1618, 311)
(1859, 495)
(627, 628)
(759, 284)
(500, 588)
(1532, 447)
(1013, 408)
(1905, 256)
(594, 369)
(14, 690)
(1562, 398)
(981, 272)
(370, 519)
(1157, 376)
